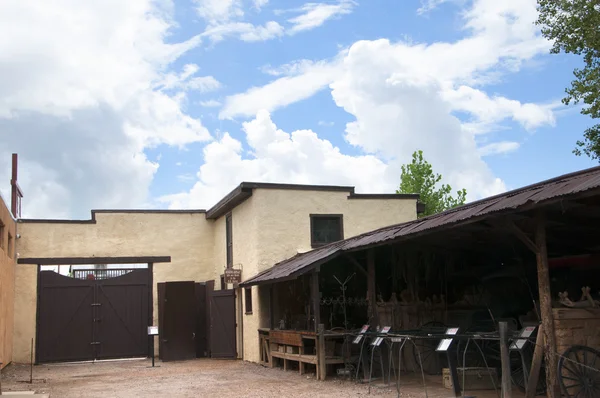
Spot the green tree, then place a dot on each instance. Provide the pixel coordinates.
(418, 177)
(574, 27)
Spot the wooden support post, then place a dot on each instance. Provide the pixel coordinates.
(315, 298)
(321, 358)
(505, 360)
(300, 363)
(371, 294)
(271, 308)
(536, 365)
(549, 338)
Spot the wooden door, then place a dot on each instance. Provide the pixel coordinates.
(222, 324)
(177, 323)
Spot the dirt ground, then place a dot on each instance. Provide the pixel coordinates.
(199, 378)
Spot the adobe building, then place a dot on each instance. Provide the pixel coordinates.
(181, 287)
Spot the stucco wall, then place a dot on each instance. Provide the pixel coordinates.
(7, 285)
(270, 226)
(186, 237)
(282, 225)
(245, 247)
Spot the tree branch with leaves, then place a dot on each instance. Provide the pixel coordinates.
(574, 28)
(418, 177)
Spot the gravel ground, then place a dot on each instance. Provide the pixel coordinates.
(197, 378)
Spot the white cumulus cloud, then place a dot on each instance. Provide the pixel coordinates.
(278, 156)
(81, 98)
(404, 95)
(313, 15)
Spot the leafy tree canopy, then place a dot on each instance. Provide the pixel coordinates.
(574, 28)
(418, 177)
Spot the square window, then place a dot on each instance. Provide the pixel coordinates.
(248, 300)
(326, 228)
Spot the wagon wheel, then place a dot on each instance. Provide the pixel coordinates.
(579, 372)
(432, 362)
(490, 348)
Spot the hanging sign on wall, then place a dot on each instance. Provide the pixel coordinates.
(232, 275)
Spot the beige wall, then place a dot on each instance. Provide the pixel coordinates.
(186, 237)
(282, 227)
(245, 247)
(7, 284)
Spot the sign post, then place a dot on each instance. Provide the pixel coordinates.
(444, 346)
(152, 332)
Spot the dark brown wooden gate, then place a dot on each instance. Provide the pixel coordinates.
(82, 320)
(222, 324)
(177, 320)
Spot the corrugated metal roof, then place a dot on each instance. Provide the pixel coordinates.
(563, 186)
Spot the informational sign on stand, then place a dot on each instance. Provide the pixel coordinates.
(358, 338)
(379, 339)
(525, 335)
(152, 332)
(445, 343)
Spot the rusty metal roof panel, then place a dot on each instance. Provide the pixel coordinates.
(565, 185)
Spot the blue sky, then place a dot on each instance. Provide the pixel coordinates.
(116, 109)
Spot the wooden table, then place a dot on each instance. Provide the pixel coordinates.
(291, 345)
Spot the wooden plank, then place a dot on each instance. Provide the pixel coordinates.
(546, 305)
(311, 359)
(518, 232)
(357, 265)
(285, 337)
(575, 313)
(505, 360)
(536, 365)
(322, 364)
(94, 260)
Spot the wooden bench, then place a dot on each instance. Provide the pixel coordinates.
(290, 345)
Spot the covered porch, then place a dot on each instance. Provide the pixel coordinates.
(502, 258)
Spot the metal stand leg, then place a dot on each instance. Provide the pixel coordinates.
(371, 368)
(391, 362)
(360, 360)
(421, 366)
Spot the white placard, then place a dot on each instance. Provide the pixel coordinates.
(152, 330)
(520, 343)
(445, 343)
(360, 335)
(378, 340)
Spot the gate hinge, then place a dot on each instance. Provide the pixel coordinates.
(94, 343)
(96, 304)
